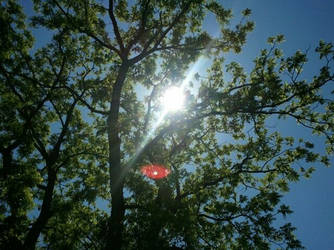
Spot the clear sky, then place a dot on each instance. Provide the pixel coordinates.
(304, 23)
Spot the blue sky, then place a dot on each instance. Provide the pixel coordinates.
(304, 23)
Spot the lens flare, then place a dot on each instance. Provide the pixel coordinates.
(155, 171)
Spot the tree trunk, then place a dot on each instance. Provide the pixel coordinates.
(33, 234)
(7, 159)
(115, 229)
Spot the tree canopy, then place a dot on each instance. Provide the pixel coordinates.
(82, 113)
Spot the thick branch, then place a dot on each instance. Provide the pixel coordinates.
(115, 26)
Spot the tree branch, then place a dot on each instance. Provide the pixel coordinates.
(147, 52)
(141, 29)
(105, 44)
(82, 100)
(115, 26)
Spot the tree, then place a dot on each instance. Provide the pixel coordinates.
(99, 53)
(43, 136)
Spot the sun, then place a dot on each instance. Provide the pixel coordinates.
(173, 99)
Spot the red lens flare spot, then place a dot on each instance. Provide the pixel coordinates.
(155, 171)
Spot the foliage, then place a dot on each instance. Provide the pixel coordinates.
(75, 129)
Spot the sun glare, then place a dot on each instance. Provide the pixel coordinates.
(173, 99)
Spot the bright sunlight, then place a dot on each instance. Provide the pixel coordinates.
(173, 99)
